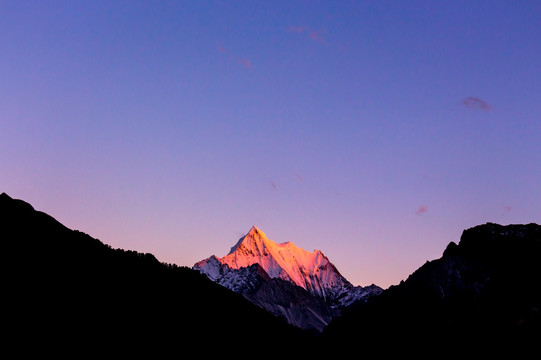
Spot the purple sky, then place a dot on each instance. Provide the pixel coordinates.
(375, 131)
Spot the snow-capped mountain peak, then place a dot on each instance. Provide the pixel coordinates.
(304, 287)
(285, 261)
(253, 236)
(310, 270)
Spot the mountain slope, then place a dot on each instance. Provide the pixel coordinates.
(482, 294)
(311, 271)
(66, 292)
(310, 275)
(279, 297)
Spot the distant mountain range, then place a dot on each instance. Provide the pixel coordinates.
(303, 287)
(68, 294)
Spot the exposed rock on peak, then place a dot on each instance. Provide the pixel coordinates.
(310, 271)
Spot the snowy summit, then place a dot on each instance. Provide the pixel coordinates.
(311, 271)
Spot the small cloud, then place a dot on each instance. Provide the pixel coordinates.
(273, 185)
(299, 177)
(246, 62)
(476, 104)
(507, 208)
(421, 210)
(225, 51)
(316, 35)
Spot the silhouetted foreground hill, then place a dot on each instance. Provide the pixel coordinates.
(482, 295)
(68, 293)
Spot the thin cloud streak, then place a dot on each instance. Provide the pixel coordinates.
(476, 104)
(315, 35)
(247, 63)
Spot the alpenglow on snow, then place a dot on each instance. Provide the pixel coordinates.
(311, 271)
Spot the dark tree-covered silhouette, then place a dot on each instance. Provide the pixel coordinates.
(65, 293)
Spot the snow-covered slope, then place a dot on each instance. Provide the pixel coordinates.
(280, 297)
(311, 271)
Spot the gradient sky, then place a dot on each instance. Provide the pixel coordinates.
(376, 131)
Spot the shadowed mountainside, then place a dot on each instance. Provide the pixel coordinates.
(483, 294)
(66, 290)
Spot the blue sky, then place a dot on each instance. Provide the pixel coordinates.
(375, 131)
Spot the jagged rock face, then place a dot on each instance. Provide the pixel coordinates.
(280, 297)
(313, 288)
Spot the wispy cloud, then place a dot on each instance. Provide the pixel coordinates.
(476, 104)
(247, 63)
(315, 35)
(421, 210)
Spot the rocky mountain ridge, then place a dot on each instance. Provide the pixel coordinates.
(296, 273)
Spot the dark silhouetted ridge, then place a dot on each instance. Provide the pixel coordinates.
(482, 295)
(68, 293)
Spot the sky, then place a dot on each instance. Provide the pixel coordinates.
(375, 131)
